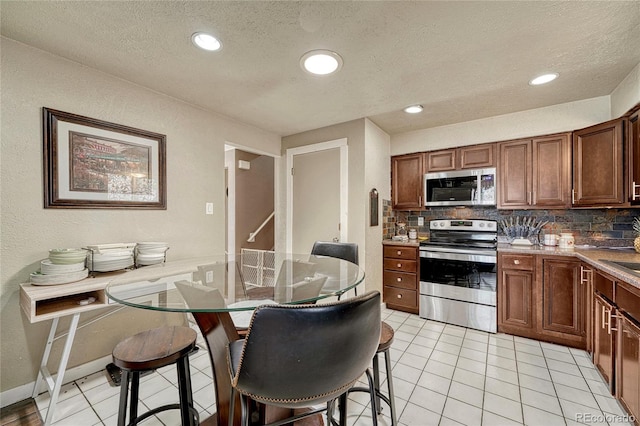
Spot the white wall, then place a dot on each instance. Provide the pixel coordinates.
(541, 121)
(32, 79)
(377, 174)
(627, 94)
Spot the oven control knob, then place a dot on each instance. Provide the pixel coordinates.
(481, 224)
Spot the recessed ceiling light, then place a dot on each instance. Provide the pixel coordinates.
(321, 62)
(413, 109)
(206, 41)
(544, 78)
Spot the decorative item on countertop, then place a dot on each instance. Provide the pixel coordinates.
(522, 232)
(566, 240)
(401, 232)
(413, 234)
(636, 228)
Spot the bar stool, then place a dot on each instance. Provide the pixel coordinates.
(384, 346)
(150, 350)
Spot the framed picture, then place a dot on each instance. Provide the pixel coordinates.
(89, 163)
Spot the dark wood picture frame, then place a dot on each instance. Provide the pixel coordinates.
(93, 164)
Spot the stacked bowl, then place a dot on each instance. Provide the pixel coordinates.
(111, 257)
(63, 266)
(150, 253)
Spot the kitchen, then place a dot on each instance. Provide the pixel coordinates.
(32, 79)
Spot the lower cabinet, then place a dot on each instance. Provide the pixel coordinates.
(400, 277)
(628, 366)
(603, 348)
(542, 297)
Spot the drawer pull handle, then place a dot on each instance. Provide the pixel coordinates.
(399, 252)
(516, 262)
(399, 296)
(399, 265)
(399, 279)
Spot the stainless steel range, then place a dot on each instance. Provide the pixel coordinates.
(458, 273)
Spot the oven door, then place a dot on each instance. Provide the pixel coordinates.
(466, 276)
(459, 288)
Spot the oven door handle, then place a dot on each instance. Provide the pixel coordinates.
(462, 255)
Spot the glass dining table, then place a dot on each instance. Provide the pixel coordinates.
(221, 294)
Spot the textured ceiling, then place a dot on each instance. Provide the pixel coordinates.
(461, 60)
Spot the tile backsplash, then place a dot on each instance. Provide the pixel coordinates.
(599, 227)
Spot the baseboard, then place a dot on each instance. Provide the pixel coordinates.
(23, 392)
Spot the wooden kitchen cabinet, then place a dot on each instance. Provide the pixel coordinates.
(407, 175)
(563, 301)
(400, 277)
(466, 157)
(628, 365)
(535, 173)
(633, 158)
(598, 165)
(516, 293)
(586, 278)
(603, 339)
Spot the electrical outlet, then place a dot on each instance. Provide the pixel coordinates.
(209, 277)
(420, 221)
(209, 208)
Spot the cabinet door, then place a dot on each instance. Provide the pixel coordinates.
(551, 171)
(477, 156)
(598, 165)
(586, 278)
(407, 181)
(628, 366)
(603, 339)
(515, 301)
(562, 298)
(441, 161)
(514, 174)
(633, 157)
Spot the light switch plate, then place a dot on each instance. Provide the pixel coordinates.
(420, 221)
(209, 208)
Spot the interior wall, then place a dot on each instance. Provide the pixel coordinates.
(254, 200)
(353, 131)
(542, 121)
(32, 79)
(377, 174)
(627, 94)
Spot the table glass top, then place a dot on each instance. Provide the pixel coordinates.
(221, 285)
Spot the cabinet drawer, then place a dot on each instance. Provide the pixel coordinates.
(603, 285)
(398, 252)
(400, 265)
(400, 279)
(400, 297)
(628, 299)
(516, 261)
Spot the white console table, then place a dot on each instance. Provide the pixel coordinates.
(43, 303)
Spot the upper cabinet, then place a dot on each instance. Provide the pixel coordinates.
(466, 157)
(633, 156)
(407, 181)
(598, 165)
(535, 173)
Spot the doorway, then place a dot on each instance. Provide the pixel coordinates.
(317, 195)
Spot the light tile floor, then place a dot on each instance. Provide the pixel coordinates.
(443, 375)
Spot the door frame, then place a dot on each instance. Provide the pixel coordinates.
(344, 184)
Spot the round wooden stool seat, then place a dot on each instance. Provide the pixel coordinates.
(386, 337)
(155, 348)
(150, 350)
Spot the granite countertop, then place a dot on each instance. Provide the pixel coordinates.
(592, 256)
(411, 243)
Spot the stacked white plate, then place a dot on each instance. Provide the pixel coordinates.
(111, 257)
(150, 253)
(67, 256)
(53, 274)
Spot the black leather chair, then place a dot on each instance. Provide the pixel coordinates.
(289, 357)
(345, 251)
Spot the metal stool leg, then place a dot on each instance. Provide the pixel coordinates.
(124, 394)
(376, 383)
(184, 389)
(135, 388)
(392, 398)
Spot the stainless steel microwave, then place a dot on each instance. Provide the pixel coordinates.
(474, 187)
